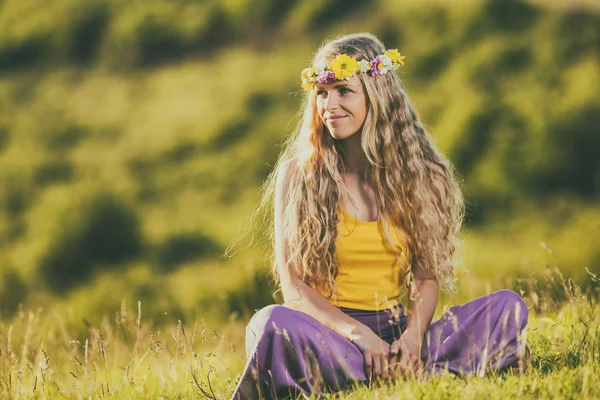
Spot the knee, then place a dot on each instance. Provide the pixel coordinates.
(272, 318)
(515, 305)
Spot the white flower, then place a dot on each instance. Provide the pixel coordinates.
(364, 65)
(387, 64)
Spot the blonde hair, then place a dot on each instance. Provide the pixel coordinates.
(403, 164)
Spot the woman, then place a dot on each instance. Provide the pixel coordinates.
(364, 205)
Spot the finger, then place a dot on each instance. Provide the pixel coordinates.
(420, 370)
(395, 347)
(385, 368)
(377, 365)
(368, 363)
(417, 363)
(373, 374)
(405, 365)
(392, 361)
(404, 362)
(407, 372)
(403, 358)
(414, 360)
(400, 359)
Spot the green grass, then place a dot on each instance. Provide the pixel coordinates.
(125, 355)
(184, 143)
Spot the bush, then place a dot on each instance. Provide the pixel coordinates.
(158, 42)
(578, 33)
(24, 54)
(12, 292)
(86, 32)
(107, 234)
(182, 248)
(255, 294)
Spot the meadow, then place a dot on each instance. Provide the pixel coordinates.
(135, 136)
(128, 356)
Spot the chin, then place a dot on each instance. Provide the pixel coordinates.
(341, 135)
(337, 136)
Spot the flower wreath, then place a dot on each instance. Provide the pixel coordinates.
(345, 67)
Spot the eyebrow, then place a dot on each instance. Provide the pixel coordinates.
(340, 84)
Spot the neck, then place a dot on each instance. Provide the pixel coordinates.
(355, 160)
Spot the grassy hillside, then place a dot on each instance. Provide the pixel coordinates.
(134, 137)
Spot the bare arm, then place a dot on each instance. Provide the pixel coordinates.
(422, 301)
(298, 295)
(423, 292)
(405, 353)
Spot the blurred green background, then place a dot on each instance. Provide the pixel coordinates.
(135, 135)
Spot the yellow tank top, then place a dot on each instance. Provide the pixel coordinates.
(368, 264)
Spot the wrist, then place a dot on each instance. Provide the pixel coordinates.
(357, 330)
(413, 340)
(414, 333)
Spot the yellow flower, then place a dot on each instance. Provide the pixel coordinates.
(344, 66)
(395, 56)
(307, 73)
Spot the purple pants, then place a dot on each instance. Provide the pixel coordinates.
(291, 352)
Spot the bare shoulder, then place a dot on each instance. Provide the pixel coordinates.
(285, 171)
(286, 168)
(284, 176)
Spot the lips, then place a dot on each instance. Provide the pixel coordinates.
(336, 117)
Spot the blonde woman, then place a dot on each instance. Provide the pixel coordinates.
(365, 205)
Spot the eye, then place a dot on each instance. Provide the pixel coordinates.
(321, 92)
(344, 90)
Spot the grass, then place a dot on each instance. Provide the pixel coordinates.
(47, 355)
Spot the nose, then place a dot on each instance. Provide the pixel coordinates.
(331, 102)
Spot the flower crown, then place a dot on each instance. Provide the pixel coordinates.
(345, 67)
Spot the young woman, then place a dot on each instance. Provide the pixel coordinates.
(365, 205)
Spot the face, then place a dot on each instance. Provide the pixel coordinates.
(342, 106)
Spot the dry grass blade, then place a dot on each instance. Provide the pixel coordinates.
(210, 394)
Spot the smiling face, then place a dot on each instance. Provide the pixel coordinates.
(342, 106)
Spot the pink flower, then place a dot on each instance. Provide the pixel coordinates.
(374, 66)
(326, 77)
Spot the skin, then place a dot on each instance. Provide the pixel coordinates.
(342, 106)
(346, 99)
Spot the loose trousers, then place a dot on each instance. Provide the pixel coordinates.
(290, 352)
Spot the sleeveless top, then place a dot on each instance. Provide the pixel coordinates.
(368, 265)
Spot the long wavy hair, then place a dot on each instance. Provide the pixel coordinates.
(404, 166)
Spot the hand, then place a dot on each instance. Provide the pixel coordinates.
(405, 355)
(375, 351)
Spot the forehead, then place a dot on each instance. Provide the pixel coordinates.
(353, 82)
